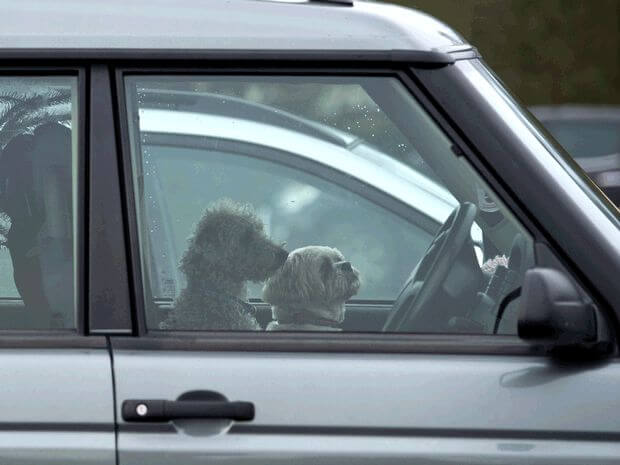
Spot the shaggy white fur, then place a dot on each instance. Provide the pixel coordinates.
(310, 290)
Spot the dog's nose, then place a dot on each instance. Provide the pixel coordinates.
(346, 266)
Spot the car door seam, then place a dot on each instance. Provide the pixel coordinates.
(114, 400)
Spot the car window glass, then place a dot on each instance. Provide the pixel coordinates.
(37, 198)
(309, 203)
(296, 205)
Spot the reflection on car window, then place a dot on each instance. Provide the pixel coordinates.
(312, 204)
(36, 202)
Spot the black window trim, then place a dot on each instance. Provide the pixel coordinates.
(349, 64)
(109, 290)
(65, 338)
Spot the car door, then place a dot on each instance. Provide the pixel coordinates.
(447, 383)
(57, 393)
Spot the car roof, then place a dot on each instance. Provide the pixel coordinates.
(220, 25)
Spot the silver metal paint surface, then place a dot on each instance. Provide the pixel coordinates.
(56, 407)
(410, 392)
(57, 447)
(350, 450)
(219, 24)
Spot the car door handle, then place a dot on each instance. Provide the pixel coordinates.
(159, 410)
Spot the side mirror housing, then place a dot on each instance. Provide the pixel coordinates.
(553, 312)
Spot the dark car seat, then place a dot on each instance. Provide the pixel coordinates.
(35, 192)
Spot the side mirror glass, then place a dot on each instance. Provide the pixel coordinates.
(554, 313)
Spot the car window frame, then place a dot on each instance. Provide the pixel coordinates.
(139, 281)
(70, 337)
(352, 64)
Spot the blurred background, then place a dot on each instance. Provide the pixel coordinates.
(560, 58)
(545, 51)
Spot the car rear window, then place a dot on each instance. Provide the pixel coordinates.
(38, 145)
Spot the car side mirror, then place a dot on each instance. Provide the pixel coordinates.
(553, 312)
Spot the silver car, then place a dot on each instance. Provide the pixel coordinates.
(484, 329)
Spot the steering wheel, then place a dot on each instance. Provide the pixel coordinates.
(411, 309)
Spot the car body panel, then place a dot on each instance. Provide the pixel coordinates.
(57, 407)
(375, 408)
(369, 450)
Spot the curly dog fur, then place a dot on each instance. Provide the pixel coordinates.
(310, 290)
(228, 249)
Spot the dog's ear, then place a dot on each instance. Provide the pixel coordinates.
(326, 269)
(281, 285)
(193, 263)
(189, 264)
(297, 281)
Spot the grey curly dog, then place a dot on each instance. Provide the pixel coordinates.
(310, 290)
(228, 249)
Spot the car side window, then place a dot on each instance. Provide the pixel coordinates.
(296, 208)
(312, 204)
(37, 198)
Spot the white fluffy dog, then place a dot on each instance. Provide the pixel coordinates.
(308, 293)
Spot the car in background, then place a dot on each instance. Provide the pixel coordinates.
(591, 134)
